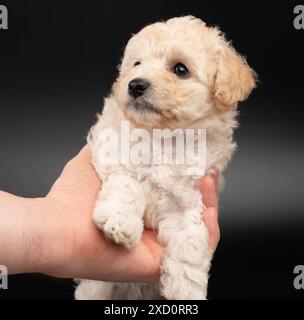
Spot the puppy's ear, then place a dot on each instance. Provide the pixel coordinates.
(234, 79)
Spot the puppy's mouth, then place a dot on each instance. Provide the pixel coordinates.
(141, 105)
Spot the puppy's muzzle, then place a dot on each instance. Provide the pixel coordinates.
(137, 87)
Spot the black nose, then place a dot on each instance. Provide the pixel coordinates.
(137, 87)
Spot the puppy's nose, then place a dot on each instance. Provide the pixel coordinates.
(137, 87)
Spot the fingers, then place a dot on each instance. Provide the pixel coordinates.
(216, 178)
(81, 170)
(84, 156)
(210, 219)
(209, 191)
(208, 187)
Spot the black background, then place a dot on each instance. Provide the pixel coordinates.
(57, 62)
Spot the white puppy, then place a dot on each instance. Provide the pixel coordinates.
(178, 74)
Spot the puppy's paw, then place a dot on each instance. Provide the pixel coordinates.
(118, 225)
(123, 230)
(181, 288)
(182, 281)
(93, 290)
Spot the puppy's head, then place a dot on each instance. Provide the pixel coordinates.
(178, 72)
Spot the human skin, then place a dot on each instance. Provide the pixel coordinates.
(55, 235)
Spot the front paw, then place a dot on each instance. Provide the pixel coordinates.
(118, 225)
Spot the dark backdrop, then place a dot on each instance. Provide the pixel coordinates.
(58, 60)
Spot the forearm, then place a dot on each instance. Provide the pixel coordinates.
(22, 242)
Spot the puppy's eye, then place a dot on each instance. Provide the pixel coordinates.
(180, 70)
(137, 63)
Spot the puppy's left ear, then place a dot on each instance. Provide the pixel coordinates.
(234, 79)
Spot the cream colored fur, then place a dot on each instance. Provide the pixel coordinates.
(160, 197)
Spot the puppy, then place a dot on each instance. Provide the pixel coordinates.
(176, 75)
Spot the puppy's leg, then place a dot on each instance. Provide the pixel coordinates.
(94, 290)
(119, 210)
(187, 259)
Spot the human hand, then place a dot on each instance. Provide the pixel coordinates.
(209, 187)
(84, 251)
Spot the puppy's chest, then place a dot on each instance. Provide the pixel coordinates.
(167, 193)
(157, 159)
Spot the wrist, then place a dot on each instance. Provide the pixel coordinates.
(29, 241)
(16, 233)
(48, 242)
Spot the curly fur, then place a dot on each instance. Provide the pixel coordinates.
(160, 197)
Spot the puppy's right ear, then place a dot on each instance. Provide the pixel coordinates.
(234, 79)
